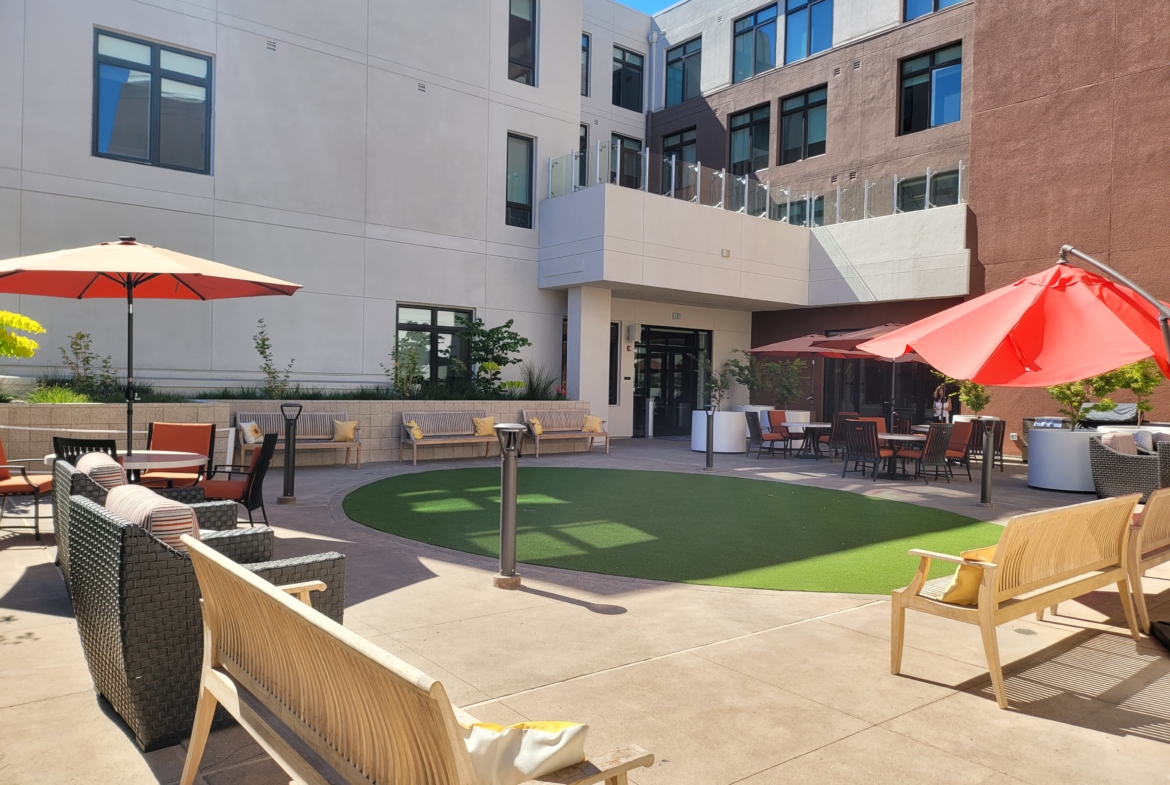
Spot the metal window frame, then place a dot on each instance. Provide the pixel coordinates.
(808, 28)
(803, 110)
(615, 152)
(531, 206)
(625, 63)
(587, 50)
(433, 329)
(751, 126)
(682, 59)
(615, 363)
(157, 74)
(751, 30)
(532, 35)
(934, 9)
(929, 69)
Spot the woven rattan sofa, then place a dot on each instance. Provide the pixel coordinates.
(314, 432)
(1118, 474)
(136, 601)
(442, 429)
(562, 424)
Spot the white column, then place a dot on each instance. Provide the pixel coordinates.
(588, 362)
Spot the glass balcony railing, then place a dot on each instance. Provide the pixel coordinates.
(690, 181)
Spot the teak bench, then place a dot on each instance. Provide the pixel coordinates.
(1042, 559)
(441, 429)
(314, 432)
(562, 424)
(274, 662)
(1149, 546)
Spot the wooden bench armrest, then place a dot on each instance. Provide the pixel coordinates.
(947, 557)
(302, 589)
(606, 767)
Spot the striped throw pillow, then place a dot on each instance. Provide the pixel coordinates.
(168, 521)
(102, 469)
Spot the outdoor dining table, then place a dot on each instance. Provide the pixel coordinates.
(898, 442)
(923, 429)
(140, 460)
(811, 446)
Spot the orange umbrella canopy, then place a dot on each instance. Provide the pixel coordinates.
(1058, 326)
(109, 269)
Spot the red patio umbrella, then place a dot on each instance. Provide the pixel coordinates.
(1058, 326)
(125, 269)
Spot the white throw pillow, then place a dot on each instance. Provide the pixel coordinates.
(521, 752)
(251, 432)
(102, 469)
(168, 521)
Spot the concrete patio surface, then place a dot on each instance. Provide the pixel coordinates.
(722, 685)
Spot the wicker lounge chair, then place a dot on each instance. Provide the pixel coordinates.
(1117, 474)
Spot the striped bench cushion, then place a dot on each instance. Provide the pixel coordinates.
(165, 519)
(102, 469)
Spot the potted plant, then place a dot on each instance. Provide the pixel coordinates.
(730, 428)
(974, 397)
(755, 373)
(1074, 397)
(1141, 378)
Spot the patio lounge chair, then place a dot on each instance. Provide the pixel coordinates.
(835, 439)
(959, 450)
(1149, 546)
(1042, 559)
(932, 454)
(756, 436)
(776, 418)
(17, 480)
(861, 447)
(362, 711)
(242, 484)
(1118, 473)
(198, 438)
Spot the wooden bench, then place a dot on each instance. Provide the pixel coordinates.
(276, 664)
(441, 429)
(314, 432)
(562, 424)
(1149, 546)
(1042, 559)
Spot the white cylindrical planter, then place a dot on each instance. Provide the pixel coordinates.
(730, 431)
(751, 407)
(1058, 460)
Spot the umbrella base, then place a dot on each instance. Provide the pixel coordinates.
(286, 500)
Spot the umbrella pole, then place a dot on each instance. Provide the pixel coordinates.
(129, 367)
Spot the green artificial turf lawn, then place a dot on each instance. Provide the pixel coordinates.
(721, 531)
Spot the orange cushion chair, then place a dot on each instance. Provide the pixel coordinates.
(180, 437)
(242, 484)
(16, 480)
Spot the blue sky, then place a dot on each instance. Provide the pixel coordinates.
(648, 6)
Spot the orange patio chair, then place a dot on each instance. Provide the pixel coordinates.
(16, 480)
(242, 484)
(180, 437)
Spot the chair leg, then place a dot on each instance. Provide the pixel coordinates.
(991, 650)
(263, 510)
(204, 714)
(897, 632)
(1127, 609)
(37, 514)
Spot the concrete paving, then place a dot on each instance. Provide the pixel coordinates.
(723, 685)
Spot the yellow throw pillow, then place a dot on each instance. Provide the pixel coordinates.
(484, 426)
(251, 432)
(592, 424)
(415, 431)
(964, 585)
(536, 427)
(344, 431)
(522, 752)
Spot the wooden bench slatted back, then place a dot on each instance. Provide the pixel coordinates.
(558, 419)
(1149, 546)
(443, 423)
(1042, 548)
(369, 715)
(310, 425)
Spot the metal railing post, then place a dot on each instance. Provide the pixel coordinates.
(698, 198)
(838, 203)
(617, 179)
(865, 202)
(896, 210)
(723, 188)
(767, 200)
(550, 168)
(960, 184)
(646, 169)
(673, 164)
(573, 155)
(926, 195)
(597, 164)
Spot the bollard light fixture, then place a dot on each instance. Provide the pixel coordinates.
(511, 436)
(291, 413)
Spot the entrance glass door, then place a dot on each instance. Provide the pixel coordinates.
(667, 366)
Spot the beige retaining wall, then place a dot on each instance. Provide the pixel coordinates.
(380, 423)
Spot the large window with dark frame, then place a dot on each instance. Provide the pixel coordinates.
(615, 355)
(683, 71)
(754, 44)
(584, 64)
(943, 190)
(917, 8)
(625, 161)
(749, 139)
(803, 125)
(522, 41)
(808, 28)
(519, 185)
(677, 149)
(627, 79)
(932, 90)
(152, 103)
(435, 336)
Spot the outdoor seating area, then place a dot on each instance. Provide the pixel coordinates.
(315, 431)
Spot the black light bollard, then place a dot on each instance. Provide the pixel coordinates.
(291, 412)
(710, 437)
(511, 436)
(988, 462)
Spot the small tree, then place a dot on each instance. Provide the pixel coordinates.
(405, 369)
(490, 350)
(789, 381)
(755, 373)
(1141, 378)
(1076, 395)
(87, 379)
(718, 384)
(275, 379)
(974, 396)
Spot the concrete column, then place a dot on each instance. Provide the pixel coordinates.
(588, 362)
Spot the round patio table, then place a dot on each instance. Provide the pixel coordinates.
(140, 460)
(810, 447)
(898, 442)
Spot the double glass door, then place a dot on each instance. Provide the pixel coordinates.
(668, 371)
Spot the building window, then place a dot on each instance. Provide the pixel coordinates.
(802, 125)
(917, 8)
(683, 71)
(679, 148)
(755, 44)
(808, 28)
(944, 191)
(583, 155)
(152, 104)
(436, 335)
(627, 79)
(749, 140)
(629, 152)
(615, 368)
(522, 41)
(932, 89)
(796, 211)
(519, 198)
(584, 64)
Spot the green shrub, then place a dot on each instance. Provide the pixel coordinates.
(56, 394)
